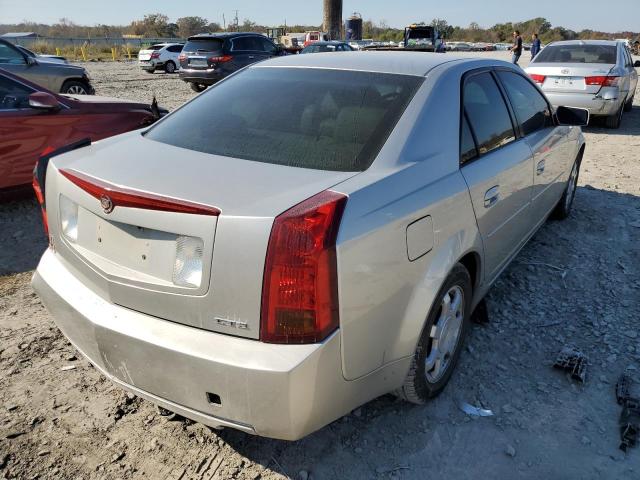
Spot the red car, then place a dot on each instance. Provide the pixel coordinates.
(33, 119)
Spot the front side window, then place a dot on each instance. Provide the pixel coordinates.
(10, 55)
(338, 120)
(13, 95)
(267, 46)
(531, 109)
(487, 112)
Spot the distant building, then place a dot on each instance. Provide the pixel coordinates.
(20, 35)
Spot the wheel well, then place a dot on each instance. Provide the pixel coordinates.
(471, 262)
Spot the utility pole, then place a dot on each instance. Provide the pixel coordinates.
(332, 18)
(224, 23)
(237, 22)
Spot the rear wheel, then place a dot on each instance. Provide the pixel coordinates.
(441, 341)
(613, 121)
(75, 87)
(629, 105)
(170, 67)
(197, 87)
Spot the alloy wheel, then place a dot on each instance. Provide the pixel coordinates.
(445, 334)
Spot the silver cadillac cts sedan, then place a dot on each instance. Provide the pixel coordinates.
(306, 235)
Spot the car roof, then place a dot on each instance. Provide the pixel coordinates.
(406, 63)
(224, 35)
(329, 42)
(611, 43)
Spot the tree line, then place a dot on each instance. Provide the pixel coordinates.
(156, 25)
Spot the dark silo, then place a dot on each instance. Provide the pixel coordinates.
(332, 17)
(353, 27)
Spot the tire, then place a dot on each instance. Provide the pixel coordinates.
(563, 208)
(448, 332)
(629, 105)
(197, 87)
(75, 87)
(170, 67)
(613, 121)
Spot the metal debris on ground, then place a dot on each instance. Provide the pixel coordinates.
(630, 416)
(475, 411)
(573, 361)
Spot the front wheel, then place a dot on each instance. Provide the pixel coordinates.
(74, 87)
(563, 209)
(197, 87)
(441, 340)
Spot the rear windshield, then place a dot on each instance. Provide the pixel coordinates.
(155, 47)
(203, 44)
(578, 54)
(310, 118)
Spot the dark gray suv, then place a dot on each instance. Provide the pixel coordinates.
(209, 57)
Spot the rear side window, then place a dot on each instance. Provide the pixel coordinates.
(252, 44)
(337, 120)
(532, 111)
(578, 54)
(487, 112)
(175, 48)
(203, 45)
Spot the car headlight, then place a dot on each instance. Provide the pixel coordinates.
(69, 218)
(187, 269)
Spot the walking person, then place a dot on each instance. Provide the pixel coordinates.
(516, 49)
(535, 46)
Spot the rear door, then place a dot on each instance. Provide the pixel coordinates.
(498, 168)
(549, 145)
(247, 50)
(631, 72)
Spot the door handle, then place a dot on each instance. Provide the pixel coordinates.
(251, 57)
(540, 167)
(492, 196)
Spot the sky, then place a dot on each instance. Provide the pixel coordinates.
(574, 14)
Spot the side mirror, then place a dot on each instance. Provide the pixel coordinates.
(637, 64)
(31, 61)
(573, 117)
(43, 101)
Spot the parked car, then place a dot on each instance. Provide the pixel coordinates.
(331, 46)
(303, 254)
(207, 58)
(46, 58)
(162, 56)
(593, 74)
(33, 119)
(459, 47)
(52, 76)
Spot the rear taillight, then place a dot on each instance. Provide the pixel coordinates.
(602, 81)
(40, 173)
(539, 79)
(222, 59)
(300, 285)
(155, 55)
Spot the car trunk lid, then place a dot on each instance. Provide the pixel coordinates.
(130, 252)
(568, 78)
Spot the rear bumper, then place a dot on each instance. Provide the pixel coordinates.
(279, 391)
(594, 103)
(150, 64)
(204, 77)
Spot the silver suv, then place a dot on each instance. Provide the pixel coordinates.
(57, 77)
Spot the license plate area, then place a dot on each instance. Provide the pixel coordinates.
(123, 250)
(198, 62)
(575, 83)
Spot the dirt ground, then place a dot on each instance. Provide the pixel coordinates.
(576, 283)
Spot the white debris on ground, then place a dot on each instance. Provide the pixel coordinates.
(576, 283)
